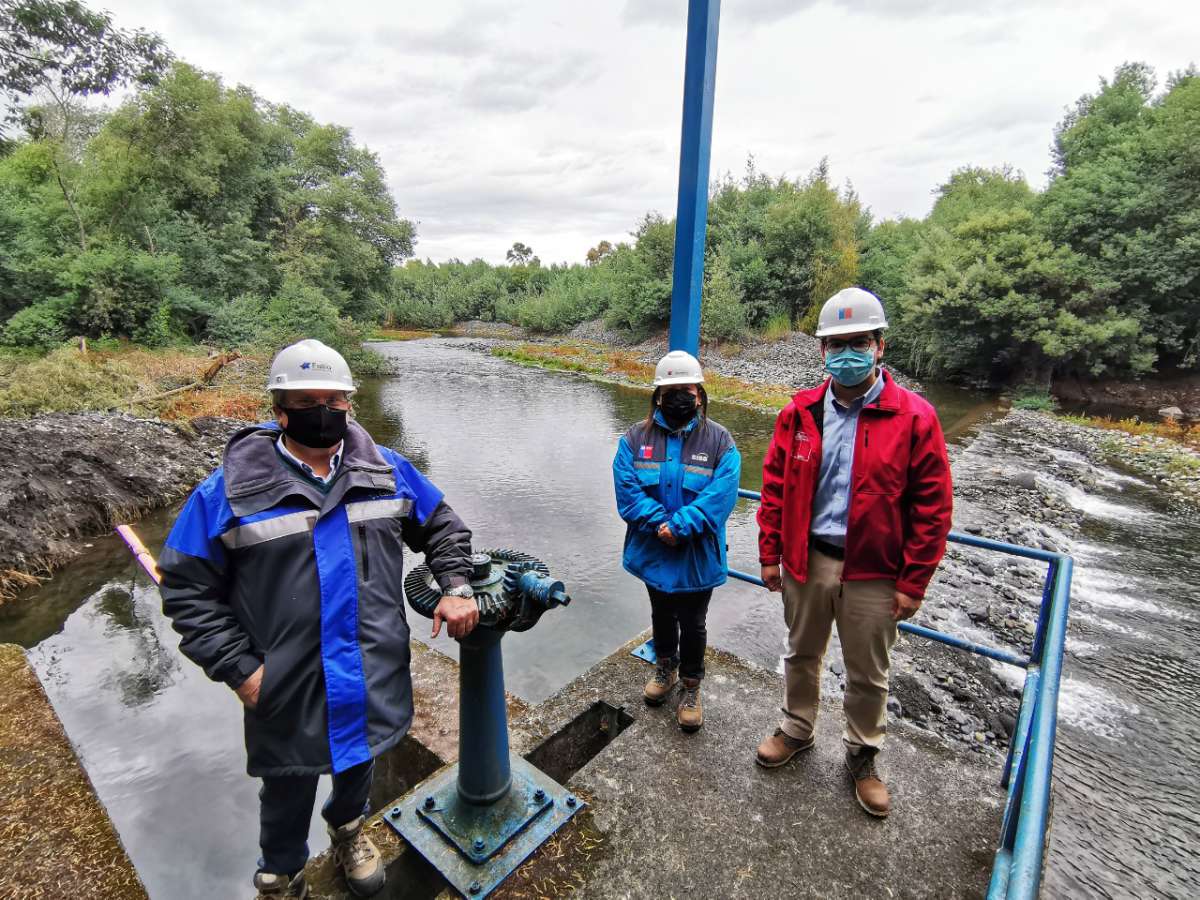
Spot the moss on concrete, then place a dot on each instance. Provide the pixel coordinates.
(56, 839)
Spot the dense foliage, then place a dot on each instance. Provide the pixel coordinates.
(196, 211)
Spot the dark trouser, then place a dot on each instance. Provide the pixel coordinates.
(285, 811)
(679, 632)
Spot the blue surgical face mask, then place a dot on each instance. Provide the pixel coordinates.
(850, 367)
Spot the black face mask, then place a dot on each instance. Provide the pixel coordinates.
(318, 427)
(678, 407)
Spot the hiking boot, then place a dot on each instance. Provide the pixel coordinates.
(272, 887)
(358, 858)
(690, 714)
(778, 749)
(659, 687)
(870, 790)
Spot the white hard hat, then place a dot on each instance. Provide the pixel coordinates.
(310, 365)
(678, 367)
(850, 310)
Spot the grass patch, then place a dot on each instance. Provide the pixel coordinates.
(400, 334)
(130, 378)
(626, 367)
(777, 327)
(1035, 400)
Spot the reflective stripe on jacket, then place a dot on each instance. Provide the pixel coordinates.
(262, 567)
(688, 478)
(901, 495)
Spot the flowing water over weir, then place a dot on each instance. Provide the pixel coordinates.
(163, 745)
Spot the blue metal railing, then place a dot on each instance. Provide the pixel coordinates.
(1017, 870)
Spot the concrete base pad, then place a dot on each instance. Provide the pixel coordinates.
(683, 813)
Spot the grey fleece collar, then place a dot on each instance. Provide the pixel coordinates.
(257, 479)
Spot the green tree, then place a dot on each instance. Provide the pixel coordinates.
(1126, 195)
(993, 298)
(722, 316)
(519, 254)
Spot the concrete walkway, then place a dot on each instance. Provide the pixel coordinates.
(672, 814)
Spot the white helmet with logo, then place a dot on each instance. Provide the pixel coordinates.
(678, 367)
(310, 365)
(850, 310)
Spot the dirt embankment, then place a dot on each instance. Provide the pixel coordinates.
(66, 476)
(1147, 396)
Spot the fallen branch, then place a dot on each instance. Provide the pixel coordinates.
(205, 380)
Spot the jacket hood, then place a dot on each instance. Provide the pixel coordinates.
(253, 467)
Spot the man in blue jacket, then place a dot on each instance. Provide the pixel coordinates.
(676, 476)
(283, 576)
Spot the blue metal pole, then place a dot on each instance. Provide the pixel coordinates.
(699, 85)
(1032, 822)
(1020, 737)
(484, 771)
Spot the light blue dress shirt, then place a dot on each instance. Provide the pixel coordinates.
(831, 503)
(334, 461)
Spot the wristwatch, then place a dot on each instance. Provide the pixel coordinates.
(463, 590)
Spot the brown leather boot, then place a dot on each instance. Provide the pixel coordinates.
(660, 685)
(779, 748)
(690, 714)
(870, 790)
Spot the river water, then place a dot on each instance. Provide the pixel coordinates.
(524, 456)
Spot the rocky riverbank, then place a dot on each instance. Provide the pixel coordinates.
(69, 476)
(1021, 480)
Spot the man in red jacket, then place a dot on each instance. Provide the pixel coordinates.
(856, 504)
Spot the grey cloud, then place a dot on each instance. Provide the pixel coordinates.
(518, 82)
(767, 12)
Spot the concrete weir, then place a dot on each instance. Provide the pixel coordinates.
(56, 839)
(672, 814)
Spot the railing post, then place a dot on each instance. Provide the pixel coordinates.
(691, 220)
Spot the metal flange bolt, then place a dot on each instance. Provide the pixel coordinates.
(430, 803)
(571, 801)
(475, 887)
(479, 845)
(395, 812)
(539, 796)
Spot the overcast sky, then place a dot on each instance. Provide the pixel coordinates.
(556, 122)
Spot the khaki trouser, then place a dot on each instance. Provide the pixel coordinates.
(863, 612)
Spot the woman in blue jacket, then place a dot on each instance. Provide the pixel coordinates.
(676, 475)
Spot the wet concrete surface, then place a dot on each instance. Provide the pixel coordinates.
(673, 814)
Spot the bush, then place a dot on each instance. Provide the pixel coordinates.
(722, 316)
(40, 327)
(239, 323)
(117, 290)
(574, 295)
(1036, 400)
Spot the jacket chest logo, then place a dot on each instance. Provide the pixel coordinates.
(646, 452)
(699, 457)
(801, 447)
